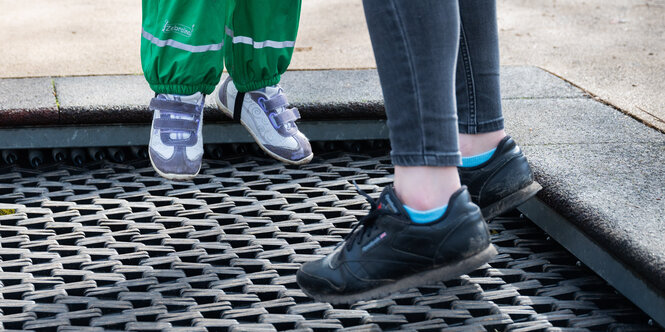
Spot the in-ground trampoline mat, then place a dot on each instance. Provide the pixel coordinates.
(110, 246)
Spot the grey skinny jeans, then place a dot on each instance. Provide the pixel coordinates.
(438, 63)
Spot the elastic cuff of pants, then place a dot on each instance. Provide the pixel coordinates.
(480, 128)
(179, 89)
(251, 86)
(416, 159)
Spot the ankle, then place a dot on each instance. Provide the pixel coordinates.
(425, 187)
(474, 144)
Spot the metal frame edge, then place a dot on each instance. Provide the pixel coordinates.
(619, 275)
(42, 137)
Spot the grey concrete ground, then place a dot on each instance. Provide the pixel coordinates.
(613, 49)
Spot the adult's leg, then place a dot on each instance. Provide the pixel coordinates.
(260, 37)
(399, 245)
(477, 79)
(493, 167)
(416, 57)
(182, 59)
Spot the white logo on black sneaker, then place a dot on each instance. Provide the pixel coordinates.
(374, 242)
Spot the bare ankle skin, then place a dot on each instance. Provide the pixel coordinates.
(425, 187)
(471, 145)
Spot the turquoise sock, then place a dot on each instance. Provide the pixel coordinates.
(423, 217)
(477, 159)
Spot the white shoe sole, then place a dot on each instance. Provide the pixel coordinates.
(173, 176)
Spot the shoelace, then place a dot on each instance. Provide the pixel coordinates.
(367, 221)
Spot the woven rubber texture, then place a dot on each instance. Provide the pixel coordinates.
(115, 247)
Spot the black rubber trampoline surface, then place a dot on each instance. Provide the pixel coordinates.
(110, 246)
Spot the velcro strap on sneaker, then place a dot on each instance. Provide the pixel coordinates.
(176, 125)
(276, 102)
(173, 106)
(289, 115)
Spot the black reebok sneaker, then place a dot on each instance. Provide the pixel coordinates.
(388, 252)
(503, 182)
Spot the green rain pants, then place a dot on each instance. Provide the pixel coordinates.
(185, 43)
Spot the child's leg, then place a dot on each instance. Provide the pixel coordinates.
(400, 244)
(181, 45)
(182, 58)
(260, 37)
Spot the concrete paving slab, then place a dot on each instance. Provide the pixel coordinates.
(612, 48)
(70, 37)
(332, 35)
(124, 98)
(353, 86)
(29, 100)
(103, 99)
(613, 192)
(325, 94)
(336, 94)
(573, 121)
(520, 82)
(319, 94)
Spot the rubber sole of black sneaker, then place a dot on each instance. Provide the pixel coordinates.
(511, 201)
(424, 278)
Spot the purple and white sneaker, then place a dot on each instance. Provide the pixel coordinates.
(176, 143)
(267, 116)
